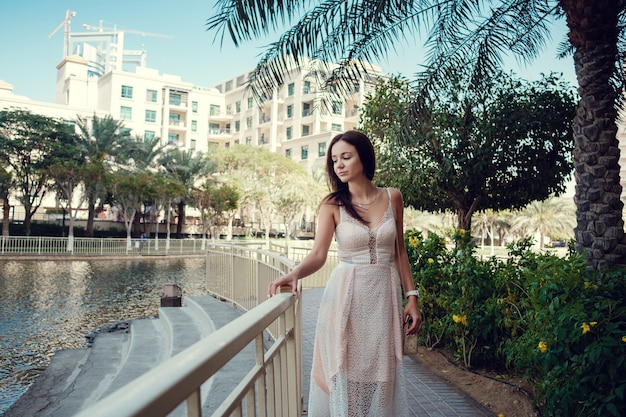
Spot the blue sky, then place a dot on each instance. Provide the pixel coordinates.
(28, 58)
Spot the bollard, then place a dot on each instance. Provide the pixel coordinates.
(172, 296)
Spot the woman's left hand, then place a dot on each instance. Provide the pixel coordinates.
(412, 310)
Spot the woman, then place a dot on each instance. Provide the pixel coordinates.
(357, 356)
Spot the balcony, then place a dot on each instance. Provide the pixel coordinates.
(218, 133)
(220, 116)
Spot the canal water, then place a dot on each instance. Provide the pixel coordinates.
(51, 305)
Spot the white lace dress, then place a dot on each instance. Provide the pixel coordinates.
(357, 358)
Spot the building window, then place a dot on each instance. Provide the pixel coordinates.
(290, 111)
(194, 106)
(288, 153)
(290, 89)
(306, 109)
(150, 116)
(236, 143)
(336, 127)
(172, 138)
(192, 144)
(175, 99)
(249, 103)
(304, 152)
(124, 131)
(337, 107)
(321, 149)
(174, 119)
(262, 139)
(215, 110)
(305, 130)
(127, 91)
(237, 125)
(289, 133)
(126, 113)
(238, 107)
(151, 96)
(229, 109)
(248, 140)
(249, 122)
(214, 128)
(306, 87)
(148, 135)
(194, 126)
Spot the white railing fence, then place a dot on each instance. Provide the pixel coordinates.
(42, 245)
(273, 387)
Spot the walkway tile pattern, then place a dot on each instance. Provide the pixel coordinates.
(428, 394)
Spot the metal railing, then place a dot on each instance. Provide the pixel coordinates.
(272, 387)
(41, 245)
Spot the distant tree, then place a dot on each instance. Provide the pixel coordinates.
(187, 167)
(145, 153)
(492, 224)
(498, 148)
(164, 191)
(213, 199)
(548, 218)
(67, 176)
(29, 144)
(128, 191)
(103, 139)
(262, 177)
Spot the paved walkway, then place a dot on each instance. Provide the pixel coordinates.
(428, 394)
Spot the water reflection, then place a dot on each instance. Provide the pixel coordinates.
(50, 305)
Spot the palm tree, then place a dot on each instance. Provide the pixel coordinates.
(490, 223)
(473, 34)
(187, 167)
(552, 217)
(103, 139)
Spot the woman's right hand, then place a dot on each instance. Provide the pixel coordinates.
(281, 281)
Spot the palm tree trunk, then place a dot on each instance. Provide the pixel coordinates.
(91, 214)
(6, 211)
(181, 219)
(600, 226)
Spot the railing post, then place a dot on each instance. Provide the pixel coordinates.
(261, 387)
(294, 388)
(194, 404)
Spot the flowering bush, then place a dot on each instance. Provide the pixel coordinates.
(546, 317)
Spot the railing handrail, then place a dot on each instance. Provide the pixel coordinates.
(159, 391)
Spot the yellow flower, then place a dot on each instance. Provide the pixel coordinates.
(461, 232)
(413, 241)
(624, 339)
(460, 319)
(585, 328)
(431, 261)
(543, 347)
(500, 415)
(593, 323)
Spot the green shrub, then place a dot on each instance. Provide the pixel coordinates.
(545, 317)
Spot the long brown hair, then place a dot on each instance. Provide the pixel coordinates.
(340, 194)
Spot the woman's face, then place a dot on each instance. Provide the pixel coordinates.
(346, 161)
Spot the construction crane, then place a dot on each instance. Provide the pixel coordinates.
(66, 31)
(116, 29)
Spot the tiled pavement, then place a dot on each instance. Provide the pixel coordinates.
(428, 394)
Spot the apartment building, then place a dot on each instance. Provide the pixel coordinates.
(297, 119)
